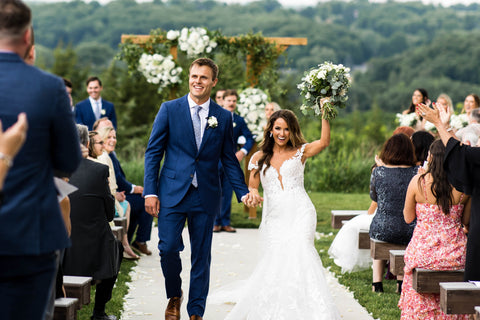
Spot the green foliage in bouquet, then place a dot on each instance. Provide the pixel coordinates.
(325, 89)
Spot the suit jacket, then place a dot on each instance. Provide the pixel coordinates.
(241, 129)
(84, 113)
(173, 136)
(30, 219)
(122, 183)
(94, 250)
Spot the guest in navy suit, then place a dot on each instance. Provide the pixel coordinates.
(222, 222)
(194, 134)
(94, 107)
(31, 226)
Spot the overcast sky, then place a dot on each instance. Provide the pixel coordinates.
(293, 3)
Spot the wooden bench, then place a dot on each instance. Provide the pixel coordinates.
(121, 222)
(65, 309)
(428, 281)
(78, 287)
(380, 250)
(396, 262)
(340, 215)
(363, 239)
(459, 297)
(117, 232)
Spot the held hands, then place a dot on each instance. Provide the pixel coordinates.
(253, 198)
(436, 115)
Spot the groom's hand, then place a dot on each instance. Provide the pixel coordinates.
(252, 199)
(152, 206)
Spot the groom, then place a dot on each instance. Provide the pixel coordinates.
(195, 134)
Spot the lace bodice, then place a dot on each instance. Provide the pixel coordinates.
(289, 177)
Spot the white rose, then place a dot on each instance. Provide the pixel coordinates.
(172, 34)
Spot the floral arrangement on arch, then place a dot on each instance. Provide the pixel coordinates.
(251, 106)
(162, 69)
(193, 41)
(158, 69)
(325, 89)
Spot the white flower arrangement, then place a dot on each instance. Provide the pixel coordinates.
(458, 121)
(407, 120)
(329, 81)
(193, 41)
(212, 122)
(251, 106)
(160, 70)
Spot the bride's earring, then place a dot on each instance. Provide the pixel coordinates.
(271, 134)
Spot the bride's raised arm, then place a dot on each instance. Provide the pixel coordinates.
(316, 146)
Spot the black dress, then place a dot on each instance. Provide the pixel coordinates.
(462, 164)
(388, 187)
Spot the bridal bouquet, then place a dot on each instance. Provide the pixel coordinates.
(407, 120)
(251, 106)
(160, 70)
(459, 121)
(329, 83)
(193, 41)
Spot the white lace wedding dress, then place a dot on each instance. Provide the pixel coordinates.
(288, 282)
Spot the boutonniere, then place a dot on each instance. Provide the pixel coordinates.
(102, 112)
(212, 122)
(234, 124)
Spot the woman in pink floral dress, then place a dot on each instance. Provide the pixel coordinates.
(439, 241)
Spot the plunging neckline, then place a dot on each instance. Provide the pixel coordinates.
(279, 176)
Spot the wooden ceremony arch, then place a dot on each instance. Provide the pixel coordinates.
(282, 43)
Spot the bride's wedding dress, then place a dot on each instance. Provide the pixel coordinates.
(288, 282)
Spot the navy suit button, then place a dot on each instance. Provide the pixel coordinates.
(191, 176)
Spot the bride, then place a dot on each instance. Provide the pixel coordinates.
(289, 281)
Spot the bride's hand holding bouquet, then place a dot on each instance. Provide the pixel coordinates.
(325, 89)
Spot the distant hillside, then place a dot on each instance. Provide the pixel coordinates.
(400, 45)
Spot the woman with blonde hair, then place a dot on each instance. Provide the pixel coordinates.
(122, 207)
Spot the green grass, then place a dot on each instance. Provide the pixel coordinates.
(381, 306)
(114, 306)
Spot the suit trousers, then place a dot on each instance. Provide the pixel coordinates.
(139, 218)
(223, 219)
(25, 285)
(103, 294)
(171, 223)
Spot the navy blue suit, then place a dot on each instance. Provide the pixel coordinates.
(84, 113)
(240, 128)
(138, 216)
(173, 137)
(31, 225)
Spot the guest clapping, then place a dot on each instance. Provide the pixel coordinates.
(462, 164)
(438, 242)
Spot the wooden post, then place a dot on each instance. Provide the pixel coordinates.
(282, 44)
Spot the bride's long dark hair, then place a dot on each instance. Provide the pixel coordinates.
(441, 188)
(296, 136)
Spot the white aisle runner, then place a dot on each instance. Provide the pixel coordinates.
(233, 258)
